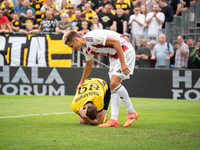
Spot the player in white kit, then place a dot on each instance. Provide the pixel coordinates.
(122, 62)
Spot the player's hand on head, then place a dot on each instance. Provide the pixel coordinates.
(83, 111)
(125, 69)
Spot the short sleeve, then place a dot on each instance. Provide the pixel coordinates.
(100, 39)
(87, 56)
(154, 50)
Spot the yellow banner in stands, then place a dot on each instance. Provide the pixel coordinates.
(34, 50)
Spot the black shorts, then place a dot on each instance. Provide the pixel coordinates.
(107, 98)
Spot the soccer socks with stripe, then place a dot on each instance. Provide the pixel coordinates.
(115, 104)
(124, 96)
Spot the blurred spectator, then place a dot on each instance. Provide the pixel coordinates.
(185, 4)
(193, 1)
(64, 25)
(77, 19)
(195, 55)
(29, 23)
(81, 5)
(85, 29)
(19, 5)
(155, 20)
(162, 52)
(93, 3)
(176, 5)
(83, 18)
(15, 24)
(143, 11)
(3, 6)
(151, 44)
(89, 13)
(136, 22)
(64, 7)
(14, 3)
(97, 25)
(46, 7)
(3, 28)
(102, 4)
(143, 55)
(167, 11)
(48, 24)
(8, 11)
(5, 20)
(37, 6)
(189, 42)
(182, 53)
(71, 14)
(106, 18)
(147, 3)
(121, 21)
(22, 12)
(55, 14)
(124, 6)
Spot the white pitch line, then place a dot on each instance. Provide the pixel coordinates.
(36, 115)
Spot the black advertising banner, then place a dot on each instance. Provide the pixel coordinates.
(151, 83)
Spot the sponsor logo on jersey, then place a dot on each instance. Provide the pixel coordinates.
(89, 39)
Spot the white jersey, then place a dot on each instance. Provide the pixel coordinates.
(96, 44)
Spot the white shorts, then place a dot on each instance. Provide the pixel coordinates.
(115, 65)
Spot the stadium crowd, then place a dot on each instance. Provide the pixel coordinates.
(138, 19)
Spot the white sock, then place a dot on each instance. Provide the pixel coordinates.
(115, 104)
(124, 96)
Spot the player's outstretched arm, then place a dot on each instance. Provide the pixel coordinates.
(117, 46)
(86, 72)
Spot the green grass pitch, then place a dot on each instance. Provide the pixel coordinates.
(44, 122)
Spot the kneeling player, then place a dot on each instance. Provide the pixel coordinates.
(91, 101)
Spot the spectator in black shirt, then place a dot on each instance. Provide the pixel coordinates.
(106, 18)
(167, 10)
(56, 14)
(176, 5)
(78, 25)
(185, 4)
(15, 24)
(78, 18)
(121, 21)
(8, 11)
(102, 4)
(82, 4)
(124, 6)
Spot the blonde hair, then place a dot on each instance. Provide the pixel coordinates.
(145, 13)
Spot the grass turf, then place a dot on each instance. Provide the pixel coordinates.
(163, 124)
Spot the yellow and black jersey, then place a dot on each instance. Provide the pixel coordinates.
(93, 90)
(72, 17)
(63, 10)
(124, 6)
(37, 6)
(89, 15)
(16, 23)
(47, 9)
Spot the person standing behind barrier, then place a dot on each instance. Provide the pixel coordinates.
(144, 54)
(151, 44)
(147, 3)
(176, 5)
(143, 10)
(162, 52)
(195, 55)
(155, 20)
(191, 47)
(64, 25)
(136, 22)
(121, 21)
(167, 11)
(182, 53)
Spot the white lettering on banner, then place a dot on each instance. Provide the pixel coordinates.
(187, 79)
(54, 75)
(37, 52)
(60, 90)
(26, 88)
(20, 74)
(16, 49)
(35, 78)
(5, 74)
(44, 90)
(2, 47)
